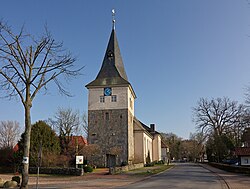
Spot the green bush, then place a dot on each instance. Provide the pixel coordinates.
(88, 169)
(148, 159)
(160, 162)
(231, 168)
(17, 179)
(150, 164)
(124, 163)
(85, 162)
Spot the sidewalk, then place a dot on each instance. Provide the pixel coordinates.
(98, 179)
(235, 181)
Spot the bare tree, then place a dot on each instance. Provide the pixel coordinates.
(217, 116)
(197, 146)
(28, 65)
(9, 133)
(246, 118)
(90, 152)
(247, 95)
(175, 144)
(85, 124)
(67, 122)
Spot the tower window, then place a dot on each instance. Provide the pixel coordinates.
(113, 98)
(107, 116)
(102, 99)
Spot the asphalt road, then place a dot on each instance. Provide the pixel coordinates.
(182, 176)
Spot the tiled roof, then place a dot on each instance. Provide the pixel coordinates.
(149, 129)
(141, 127)
(16, 148)
(242, 151)
(80, 140)
(145, 127)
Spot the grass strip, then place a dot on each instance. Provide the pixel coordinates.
(146, 171)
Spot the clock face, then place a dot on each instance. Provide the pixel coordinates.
(107, 91)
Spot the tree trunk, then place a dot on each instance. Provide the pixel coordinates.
(25, 171)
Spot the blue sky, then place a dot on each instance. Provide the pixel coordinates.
(174, 52)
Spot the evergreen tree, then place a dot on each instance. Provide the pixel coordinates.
(44, 141)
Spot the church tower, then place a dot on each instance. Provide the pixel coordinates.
(111, 109)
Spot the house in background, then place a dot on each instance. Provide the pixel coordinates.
(243, 153)
(165, 152)
(112, 124)
(77, 143)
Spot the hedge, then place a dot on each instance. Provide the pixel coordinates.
(231, 168)
(57, 171)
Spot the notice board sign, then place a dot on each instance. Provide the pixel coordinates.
(79, 160)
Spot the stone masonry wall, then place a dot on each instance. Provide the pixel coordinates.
(57, 171)
(109, 130)
(128, 167)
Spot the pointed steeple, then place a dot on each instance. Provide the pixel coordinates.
(112, 71)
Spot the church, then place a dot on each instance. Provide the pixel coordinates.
(112, 124)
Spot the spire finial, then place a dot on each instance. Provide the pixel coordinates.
(113, 19)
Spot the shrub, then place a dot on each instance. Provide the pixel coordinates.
(42, 134)
(88, 169)
(17, 179)
(151, 164)
(124, 163)
(148, 159)
(85, 162)
(6, 158)
(159, 162)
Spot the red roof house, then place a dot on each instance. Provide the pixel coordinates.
(77, 140)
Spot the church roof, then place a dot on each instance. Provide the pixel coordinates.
(138, 126)
(112, 71)
(145, 128)
(149, 129)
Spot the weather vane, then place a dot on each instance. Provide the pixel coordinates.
(113, 18)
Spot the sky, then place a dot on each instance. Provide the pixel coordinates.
(174, 53)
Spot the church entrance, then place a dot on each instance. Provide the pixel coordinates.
(111, 160)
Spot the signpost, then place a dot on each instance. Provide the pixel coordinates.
(79, 161)
(39, 164)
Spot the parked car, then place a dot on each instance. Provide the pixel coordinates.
(231, 161)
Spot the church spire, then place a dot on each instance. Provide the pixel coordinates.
(113, 19)
(112, 71)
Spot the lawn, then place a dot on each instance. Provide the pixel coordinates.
(146, 171)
